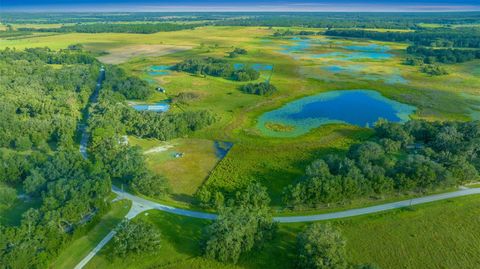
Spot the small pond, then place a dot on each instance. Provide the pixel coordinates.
(222, 148)
(159, 70)
(368, 48)
(357, 107)
(356, 70)
(299, 45)
(256, 66)
(358, 55)
(163, 106)
(343, 69)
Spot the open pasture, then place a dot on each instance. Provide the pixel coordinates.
(186, 163)
(413, 242)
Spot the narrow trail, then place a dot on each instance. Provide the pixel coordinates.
(82, 126)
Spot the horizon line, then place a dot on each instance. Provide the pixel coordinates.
(314, 8)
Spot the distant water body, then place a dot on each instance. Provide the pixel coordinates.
(358, 107)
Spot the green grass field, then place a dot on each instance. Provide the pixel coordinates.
(185, 174)
(437, 235)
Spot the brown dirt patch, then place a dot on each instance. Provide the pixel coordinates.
(123, 54)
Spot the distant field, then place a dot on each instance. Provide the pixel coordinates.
(438, 235)
(123, 54)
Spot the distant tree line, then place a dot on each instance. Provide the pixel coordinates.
(281, 19)
(289, 32)
(447, 56)
(217, 68)
(416, 157)
(348, 20)
(443, 37)
(137, 28)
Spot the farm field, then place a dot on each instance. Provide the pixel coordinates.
(399, 239)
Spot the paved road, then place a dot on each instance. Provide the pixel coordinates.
(290, 219)
(133, 212)
(147, 204)
(379, 208)
(92, 253)
(140, 205)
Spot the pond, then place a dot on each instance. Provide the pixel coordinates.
(163, 106)
(222, 148)
(159, 70)
(357, 71)
(299, 45)
(368, 48)
(256, 66)
(343, 69)
(358, 107)
(358, 55)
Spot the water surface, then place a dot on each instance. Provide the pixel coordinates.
(159, 70)
(163, 106)
(350, 56)
(358, 107)
(256, 66)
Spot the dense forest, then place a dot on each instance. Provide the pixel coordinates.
(463, 37)
(43, 93)
(137, 28)
(41, 110)
(416, 157)
(217, 68)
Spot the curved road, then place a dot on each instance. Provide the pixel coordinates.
(140, 204)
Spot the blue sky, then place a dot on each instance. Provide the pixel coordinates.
(243, 5)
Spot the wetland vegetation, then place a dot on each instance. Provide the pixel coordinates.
(249, 115)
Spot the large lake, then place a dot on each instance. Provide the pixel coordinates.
(358, 107)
